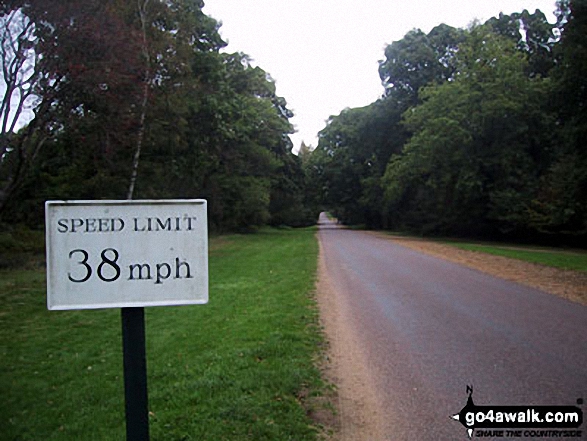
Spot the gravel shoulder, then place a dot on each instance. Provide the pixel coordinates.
(358, 411)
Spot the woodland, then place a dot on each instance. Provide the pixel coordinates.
(136, 100)
(479, 132)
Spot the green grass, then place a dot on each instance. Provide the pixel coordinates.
(576, 261)
(570, 259)
(240, 368)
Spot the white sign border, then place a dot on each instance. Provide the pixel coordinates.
(115, 203)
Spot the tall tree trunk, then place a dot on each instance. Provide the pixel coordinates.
(141, 132)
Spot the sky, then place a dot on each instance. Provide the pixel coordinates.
(323, 54)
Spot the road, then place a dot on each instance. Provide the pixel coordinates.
(423, 329)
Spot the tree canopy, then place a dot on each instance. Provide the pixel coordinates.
(478, 133)
(136, 99)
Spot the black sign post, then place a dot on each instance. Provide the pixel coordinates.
(135, 374)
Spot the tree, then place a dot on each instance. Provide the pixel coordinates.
(356, 145)
(19, 75)
(479, 145)
(79, 66)
(561, 206)
(419, 59)
(462, 140)
(145, 81)
(533, 35)
(223, 135)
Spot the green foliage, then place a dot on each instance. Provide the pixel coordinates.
(475, 153)
(351, 156)
(562, 203)
(208, 124)
(533, 35)
(419, 59)
(480, 133)
(81, 74)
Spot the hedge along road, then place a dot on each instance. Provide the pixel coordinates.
(409, 332)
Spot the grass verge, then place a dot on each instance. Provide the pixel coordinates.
(240, 368)
(569, 260)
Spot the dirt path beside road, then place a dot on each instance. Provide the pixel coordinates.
(358, 410)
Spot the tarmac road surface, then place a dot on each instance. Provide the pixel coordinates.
(428, 328)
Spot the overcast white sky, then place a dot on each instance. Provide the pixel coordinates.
(323, 54)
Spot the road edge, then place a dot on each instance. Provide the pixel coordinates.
(358, 409)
